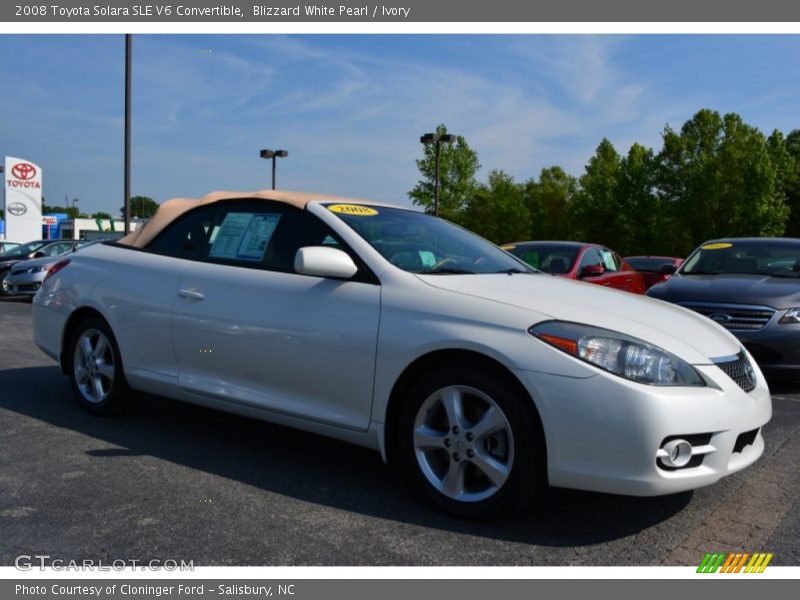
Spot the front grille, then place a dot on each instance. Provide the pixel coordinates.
(741, 371)
(734, 317)
(744, 440)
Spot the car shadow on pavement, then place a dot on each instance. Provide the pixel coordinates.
(316, 469)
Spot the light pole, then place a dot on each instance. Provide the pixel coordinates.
(437, 139)
(273, 154)
(127, 185)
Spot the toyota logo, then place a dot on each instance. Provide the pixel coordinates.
(720, 317)
(23, 171)
(17, 209)
(749, 372)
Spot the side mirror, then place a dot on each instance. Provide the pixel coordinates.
(592, 271)
(324, 261)
(667, 269)
(39, 254)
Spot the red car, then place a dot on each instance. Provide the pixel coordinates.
(575, 260)
(654, 268)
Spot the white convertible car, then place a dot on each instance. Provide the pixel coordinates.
(399, 331)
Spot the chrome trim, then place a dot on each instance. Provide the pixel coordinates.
(722, 307)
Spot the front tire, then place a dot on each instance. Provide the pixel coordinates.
(95, 368)
(472, 442)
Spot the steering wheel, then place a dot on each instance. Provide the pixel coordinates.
(442, 262)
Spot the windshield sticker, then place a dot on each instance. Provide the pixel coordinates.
(355, 210)
(244, 236)
(716, 246)
(507, 247)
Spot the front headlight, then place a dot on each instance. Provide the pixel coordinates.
(792, 316)
(618, 353)
(37, 269)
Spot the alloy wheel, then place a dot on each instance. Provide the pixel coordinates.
(93, 365)
(463, 443)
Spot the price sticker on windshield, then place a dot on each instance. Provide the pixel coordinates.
(717, 246)
(353, 209)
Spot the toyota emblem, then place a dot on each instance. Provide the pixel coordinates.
(24, 171)
(17, 209)
(749, 372)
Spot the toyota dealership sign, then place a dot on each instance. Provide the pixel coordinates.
(23, 199)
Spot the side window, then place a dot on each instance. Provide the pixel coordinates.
(264, 235)
(590, 257)
(56, 249)
(609, 261)
(188, 236)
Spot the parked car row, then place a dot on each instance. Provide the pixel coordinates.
(23, 267)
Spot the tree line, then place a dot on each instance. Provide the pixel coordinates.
(717, 176)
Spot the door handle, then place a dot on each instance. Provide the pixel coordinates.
(192, 294)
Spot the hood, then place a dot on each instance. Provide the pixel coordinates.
(37, 262)
(680, 331)
(777, 292)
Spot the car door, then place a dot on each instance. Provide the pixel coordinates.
(621, 276)
(248, 329)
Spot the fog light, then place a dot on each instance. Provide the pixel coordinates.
(678, 453)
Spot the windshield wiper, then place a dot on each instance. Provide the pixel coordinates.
(512, 271)
(700, 273)
(447, 271)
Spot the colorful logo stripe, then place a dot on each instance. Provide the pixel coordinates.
(734, 563)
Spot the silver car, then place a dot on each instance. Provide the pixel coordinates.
(25, 277)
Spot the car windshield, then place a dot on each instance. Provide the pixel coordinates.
(420, 243)
(550, 258)
(28, 248)
(779, 258)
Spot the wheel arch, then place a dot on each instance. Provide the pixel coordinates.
(72, 322)
(437, 359)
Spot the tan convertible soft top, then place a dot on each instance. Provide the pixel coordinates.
(172, 209)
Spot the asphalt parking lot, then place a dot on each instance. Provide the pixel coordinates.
(173, 481)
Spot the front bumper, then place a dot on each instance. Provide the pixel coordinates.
(24, 284)
(603, 433)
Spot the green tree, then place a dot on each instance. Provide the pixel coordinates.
(641, 228)
(717, 178)
(791, 183)
(101, 215)
(458, 164)
(142, 207)
(548, 202)
(595, 210)
(497, 210)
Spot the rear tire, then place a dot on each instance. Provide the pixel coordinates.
(95, 368)
(472, 442)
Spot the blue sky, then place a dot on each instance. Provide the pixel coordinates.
(350, 109)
